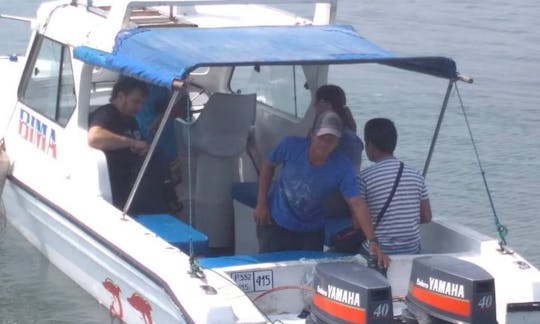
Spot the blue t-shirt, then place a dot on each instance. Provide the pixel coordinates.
(351, 145)
(297, 199)
(167, 143)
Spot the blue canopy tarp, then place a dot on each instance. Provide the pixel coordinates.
(160, 55)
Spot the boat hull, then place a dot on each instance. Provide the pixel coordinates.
(100, 271)
(127, 292)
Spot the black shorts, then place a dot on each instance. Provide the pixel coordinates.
(273, 238)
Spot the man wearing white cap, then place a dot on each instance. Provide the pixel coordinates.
(290, 213)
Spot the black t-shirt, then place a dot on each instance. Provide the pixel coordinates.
(123, 163)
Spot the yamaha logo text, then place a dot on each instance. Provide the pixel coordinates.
(341, 295)
(446, 287)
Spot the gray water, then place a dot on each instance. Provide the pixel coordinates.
(496, 42)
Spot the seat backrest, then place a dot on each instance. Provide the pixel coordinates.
(223, 126)
(218, 137)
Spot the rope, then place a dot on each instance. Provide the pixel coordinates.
(502, 230)
(195, 269)
(286, 287)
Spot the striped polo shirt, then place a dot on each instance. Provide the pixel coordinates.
(398, 231)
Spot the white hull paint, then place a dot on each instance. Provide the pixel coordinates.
(85, 260)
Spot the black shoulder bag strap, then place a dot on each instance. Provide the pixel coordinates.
(396, 182)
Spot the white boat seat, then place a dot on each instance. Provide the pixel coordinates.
(218, 138)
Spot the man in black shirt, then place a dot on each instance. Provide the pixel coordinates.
(114, 130)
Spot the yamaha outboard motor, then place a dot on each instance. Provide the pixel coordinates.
(444, 289)
(347, 292)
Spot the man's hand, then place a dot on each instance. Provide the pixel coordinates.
(139, 147)
(383, 261)
(262, 215)
(262, 212)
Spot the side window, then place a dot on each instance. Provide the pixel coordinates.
(281, 87)
(49, 86)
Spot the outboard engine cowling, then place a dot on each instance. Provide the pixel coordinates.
(452, 290)
(347, 292)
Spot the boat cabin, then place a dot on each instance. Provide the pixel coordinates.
(250, 82)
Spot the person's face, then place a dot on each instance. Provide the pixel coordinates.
(325, 144)
(132, 101)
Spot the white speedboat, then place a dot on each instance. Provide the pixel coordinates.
(251, 68)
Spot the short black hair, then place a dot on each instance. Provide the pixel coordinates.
(127, 85)
(382, 133)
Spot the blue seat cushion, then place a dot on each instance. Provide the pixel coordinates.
(236, 260)
(176, 232)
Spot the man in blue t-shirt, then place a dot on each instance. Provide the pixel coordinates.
(290, 215)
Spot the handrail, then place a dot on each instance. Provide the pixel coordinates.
(16, 18)
(465, 78)
(143, 3)
(119, 10)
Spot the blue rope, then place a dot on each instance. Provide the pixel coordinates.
(502, 230)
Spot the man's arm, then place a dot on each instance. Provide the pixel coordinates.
(105, 140)
(362, 220)
(425, 211)
(262, 211)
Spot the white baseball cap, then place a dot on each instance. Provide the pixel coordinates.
(328, 123)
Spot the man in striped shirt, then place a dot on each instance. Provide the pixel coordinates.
(398, 231)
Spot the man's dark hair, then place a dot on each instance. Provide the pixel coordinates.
(127, 85)
(382, 133)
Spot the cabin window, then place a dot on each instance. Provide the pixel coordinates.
(281, 87)
(49, 87)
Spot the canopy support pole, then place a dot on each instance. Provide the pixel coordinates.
(151, 150)
(17, 18)
(438, 128)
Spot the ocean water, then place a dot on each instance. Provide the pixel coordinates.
(495, 42)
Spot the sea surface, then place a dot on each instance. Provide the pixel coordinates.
(495, 42)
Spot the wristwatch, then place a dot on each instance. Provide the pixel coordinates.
(373, 241)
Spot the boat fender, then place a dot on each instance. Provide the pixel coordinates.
(5, 165)
(5, 169)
